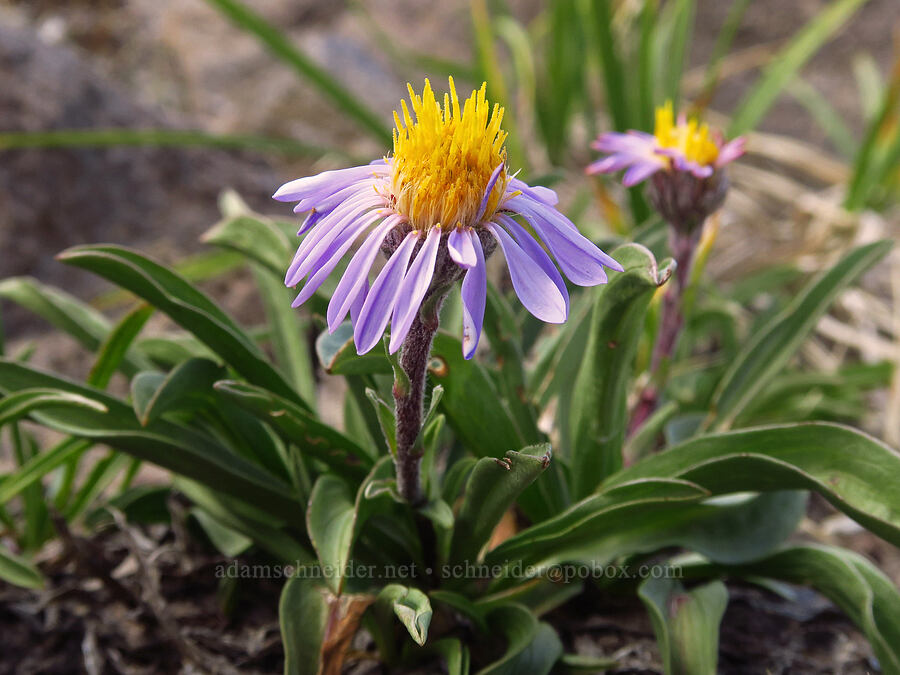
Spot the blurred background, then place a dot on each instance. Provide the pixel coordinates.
(154, 107)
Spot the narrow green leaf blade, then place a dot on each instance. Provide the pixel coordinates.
(185, 305)
(19, 571)
(771, 348)
(493, 488)
(686, 623)
(787, 63)
(599, 397)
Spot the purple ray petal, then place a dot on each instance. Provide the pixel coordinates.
(311, 219)
(535, 289)
(535, 252)
(355, 281)
(487, 191)
(474, 294)
(731, 151)
(639, 171)
(459, 246)
(357, 305)
(301, 188)
(580, 260)
(536, 192)
(413, 288)
(610, 164)
(336, 252)
(340, 219)
(379, 304)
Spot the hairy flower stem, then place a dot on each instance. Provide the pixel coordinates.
(683, 245)
(409, 399)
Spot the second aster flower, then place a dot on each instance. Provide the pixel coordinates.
(436, 208)
(683, 160)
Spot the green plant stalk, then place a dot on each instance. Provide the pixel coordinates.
(683, 245)
(489, 66)
(181, 138)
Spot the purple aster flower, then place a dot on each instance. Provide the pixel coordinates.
(436, 209)
(683, 161)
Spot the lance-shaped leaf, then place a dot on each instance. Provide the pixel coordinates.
(650, 514)
(184, 304)
(686, 623)
(112, 352)
(337, 354)
(19, 571)
(632, 516)
(766, 355)
(62, 310)
(335, 517)
(474, 408)
(599, 397)
(860, 589)
(173, 447)
(316, 626)
(456, 655)
(268, 248)
(531, 647)
(298, 426)
(491, 490)
(856, 473)
(189, 385)
(21, 403)
(410, 605)
(255, 237)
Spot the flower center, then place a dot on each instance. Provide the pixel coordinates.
(689, 138)
(443, 160)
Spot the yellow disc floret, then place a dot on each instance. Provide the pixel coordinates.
(689, 138)
(443, 160)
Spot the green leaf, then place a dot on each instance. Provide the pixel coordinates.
(410, 605)
(631, 516)
(64, 311)
(228, 542)
(39, 465)
(860, 589)
(19, 571)
(492, 489)
(185, 305)
(456, 655)
(578, 663)
(337, 354)
(475, 410)
(188, 386)
(116, 345)
(387, 420)
(21, 403)
(788, 62)
(254, 237)
(335, 517)
(766, 355)
(303, 612)
(531, 647)
(289, 333)
(686, 624)
(324, 82)
(599, 397)
(856, 473)
(173, 447)
(297, 426)
(245, 519)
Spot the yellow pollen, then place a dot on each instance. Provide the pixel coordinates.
(689, 138)
(443, 160)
